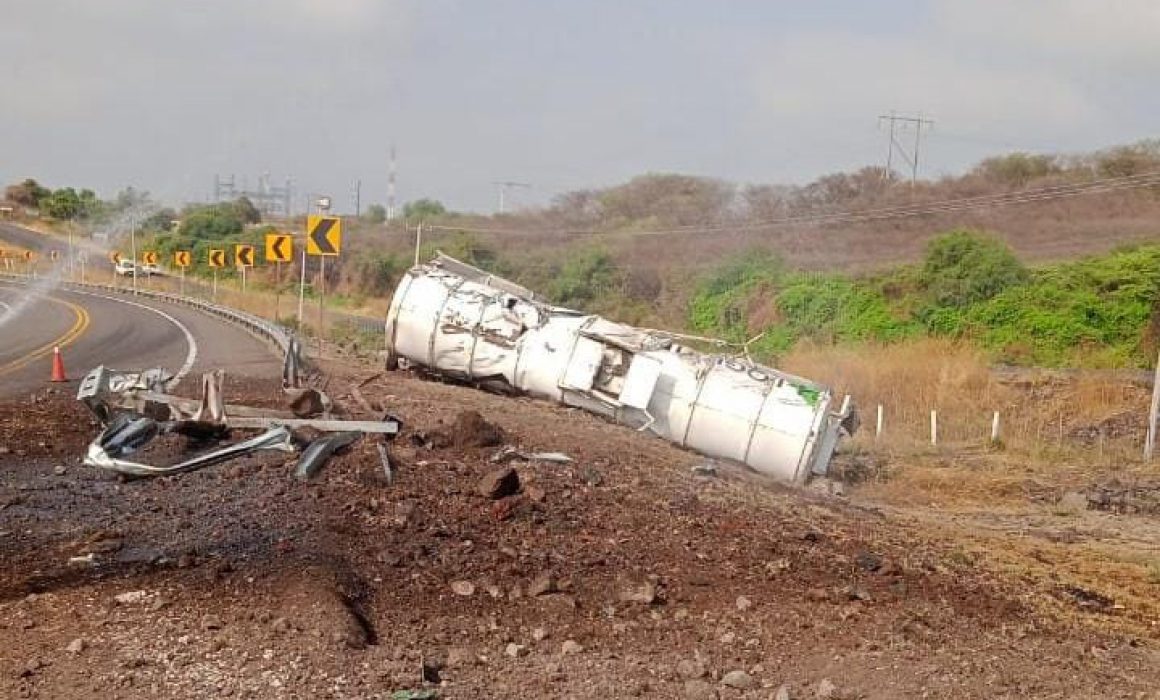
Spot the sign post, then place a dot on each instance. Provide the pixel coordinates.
(149, 257)
(217, 258)
(115, 258)
(323, 239)
(279, 249)
(243, 258)
(181, 259)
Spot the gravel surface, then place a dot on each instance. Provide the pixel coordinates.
(622, 573)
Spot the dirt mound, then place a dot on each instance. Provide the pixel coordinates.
(470, 429)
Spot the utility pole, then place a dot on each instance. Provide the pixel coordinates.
(356, 196)
(503, 188)
(897, 124)
(133, 238)
(391, 211)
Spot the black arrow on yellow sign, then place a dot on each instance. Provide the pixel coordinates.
(278, 247)
(217, 257)
(323, 235)
(244, 255)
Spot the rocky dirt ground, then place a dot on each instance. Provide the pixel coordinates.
(625, 572)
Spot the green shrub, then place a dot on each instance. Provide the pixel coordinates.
(586, 276)
(962, 268)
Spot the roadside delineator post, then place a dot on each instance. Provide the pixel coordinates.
(58, 374)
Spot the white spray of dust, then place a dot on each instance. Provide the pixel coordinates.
(110, 235)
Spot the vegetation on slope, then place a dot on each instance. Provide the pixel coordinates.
(1098, 311)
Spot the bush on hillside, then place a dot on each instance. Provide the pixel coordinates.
(962, 268)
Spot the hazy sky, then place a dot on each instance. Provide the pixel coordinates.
(162, 94)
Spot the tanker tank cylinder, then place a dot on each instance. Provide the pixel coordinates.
(467, 324)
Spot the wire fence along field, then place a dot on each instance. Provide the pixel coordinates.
(1084, 415)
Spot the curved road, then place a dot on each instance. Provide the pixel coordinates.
(122, 332)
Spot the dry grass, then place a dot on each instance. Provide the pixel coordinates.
(1039, 410)
(1058, 430)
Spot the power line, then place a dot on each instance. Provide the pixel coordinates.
(1100, 186)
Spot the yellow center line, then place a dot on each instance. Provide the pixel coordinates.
(79, 326)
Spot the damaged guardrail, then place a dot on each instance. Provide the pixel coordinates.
(467, 324)
(135, 410)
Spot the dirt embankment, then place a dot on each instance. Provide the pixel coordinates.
(475, 572)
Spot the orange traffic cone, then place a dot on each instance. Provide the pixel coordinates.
(57, 366)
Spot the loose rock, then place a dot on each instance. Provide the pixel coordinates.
(499, 483)
(76, 646)
(738, 679)
(515, 650)
(744, 603)
(130, 597)
(782, 693)
(571, 647)
(471, 430)
(542, 585)
(463, 588)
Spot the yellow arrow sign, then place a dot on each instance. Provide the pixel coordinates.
(182, 258)
(114, 257)
(28, 255)
(217, 257)
(149, 257)
(279, 247)
(244, 255)
(323, 235)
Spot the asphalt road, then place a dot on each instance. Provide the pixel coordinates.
(126, 333)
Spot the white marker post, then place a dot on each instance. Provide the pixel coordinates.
(321, 299)
(302, 288)
(878, 426)
(933, 427)
(1150, 438)
(418, 240)
(995, 428)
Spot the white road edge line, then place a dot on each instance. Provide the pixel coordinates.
(190, 357)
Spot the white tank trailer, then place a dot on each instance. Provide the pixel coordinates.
(464, 323)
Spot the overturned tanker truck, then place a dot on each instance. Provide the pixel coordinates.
(464, 323)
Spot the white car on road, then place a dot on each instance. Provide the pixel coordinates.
(127, 268)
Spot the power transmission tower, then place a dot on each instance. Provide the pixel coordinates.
(504, 185)
(899, 123)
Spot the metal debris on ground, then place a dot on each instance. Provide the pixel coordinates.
(704, 470)
(509, 453)
(136, 409)
(315, 456)
(388, 472)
